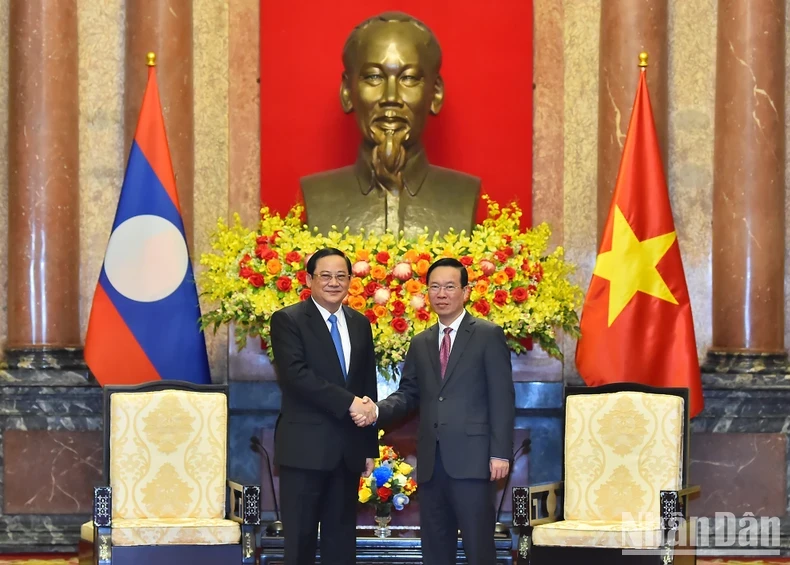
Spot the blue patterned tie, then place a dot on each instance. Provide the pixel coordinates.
(338, 344)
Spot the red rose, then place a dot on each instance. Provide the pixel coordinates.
(483, 306)
(500, 297)
(246, 259)
(382, 257)
(262, 240)
(425, 256)
(284, 284)
(398, 308)
(256, 279)
(301, 277)
(525, 265)
(466, 260)
(384, 493)
(305, 294)
(399, 325)
(508, 251)
(519, 294)
(500, 256)
(510, 272)
(293, 257)
(371, 288)
(371, 316)
(246, 272)
(265, 253)
(423, 314)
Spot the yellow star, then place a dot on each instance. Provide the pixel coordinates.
(631, 266)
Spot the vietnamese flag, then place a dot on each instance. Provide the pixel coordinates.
(636, 323)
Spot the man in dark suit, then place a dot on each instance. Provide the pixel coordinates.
(458, 373)
(325, 363)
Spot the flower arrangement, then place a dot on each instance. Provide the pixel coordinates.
(514, 281)
(389, 485)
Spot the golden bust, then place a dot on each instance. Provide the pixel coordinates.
(391, 81)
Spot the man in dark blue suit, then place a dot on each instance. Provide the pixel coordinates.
(326, 369)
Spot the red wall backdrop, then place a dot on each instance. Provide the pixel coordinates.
(484, 128)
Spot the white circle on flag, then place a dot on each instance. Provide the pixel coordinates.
(146, 259)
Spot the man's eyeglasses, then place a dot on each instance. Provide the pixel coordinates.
(448, 288)
(326, 278)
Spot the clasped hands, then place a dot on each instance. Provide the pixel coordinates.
(363, 411)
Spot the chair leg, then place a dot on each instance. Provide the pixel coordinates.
(102, 543)
(524, 549)
(249, 546)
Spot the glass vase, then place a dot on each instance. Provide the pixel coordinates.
(383, 519)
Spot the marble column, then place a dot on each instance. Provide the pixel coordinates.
(749, 189)
(43, 191)
(628, 27)
(164, 27)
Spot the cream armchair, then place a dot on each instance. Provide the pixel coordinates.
(624, 497)
(167, 499)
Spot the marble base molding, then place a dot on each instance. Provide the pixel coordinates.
(746, 362)
(50, 457)
(34, 358)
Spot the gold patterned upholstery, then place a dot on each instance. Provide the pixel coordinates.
(147, 531)
(621, 450)
(167, 468)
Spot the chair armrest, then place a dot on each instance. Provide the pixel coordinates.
(538, 504)
(245, 503)
(102, 507)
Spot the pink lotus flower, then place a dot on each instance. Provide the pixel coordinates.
(402, 271)
(417, 301)
(361, 269)
(382, 296)
(488, 267)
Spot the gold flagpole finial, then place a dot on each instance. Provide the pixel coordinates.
(643, 59)
(151, 59)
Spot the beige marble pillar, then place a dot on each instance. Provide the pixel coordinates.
(749, 187)
(628, 27)
(43, 177)
(164, 27)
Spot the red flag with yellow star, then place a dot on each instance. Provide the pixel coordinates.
(636, 323)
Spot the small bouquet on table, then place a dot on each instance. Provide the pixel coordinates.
(389, 486)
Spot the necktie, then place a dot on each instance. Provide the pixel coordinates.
(338, 344)
(444, 350)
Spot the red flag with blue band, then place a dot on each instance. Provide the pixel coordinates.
(144, 322)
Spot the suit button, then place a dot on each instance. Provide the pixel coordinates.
(441, 398)
(436, 425)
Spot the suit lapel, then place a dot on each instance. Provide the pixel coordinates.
(318, 326)
(433, 352)
(465, 331)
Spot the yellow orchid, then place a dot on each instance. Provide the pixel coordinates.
(517, 283)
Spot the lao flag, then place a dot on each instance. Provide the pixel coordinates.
(144, 320)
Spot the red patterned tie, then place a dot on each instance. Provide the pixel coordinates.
(444, 350)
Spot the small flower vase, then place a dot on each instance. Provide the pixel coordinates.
(383, 519)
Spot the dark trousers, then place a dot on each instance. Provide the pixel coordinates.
(448, 505)
(310, 497)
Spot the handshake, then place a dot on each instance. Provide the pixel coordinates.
(363, 411)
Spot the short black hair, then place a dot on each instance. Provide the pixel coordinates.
(326, 252)
(449, 262)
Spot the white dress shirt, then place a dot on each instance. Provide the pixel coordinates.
(342, 327)
(454, 326)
